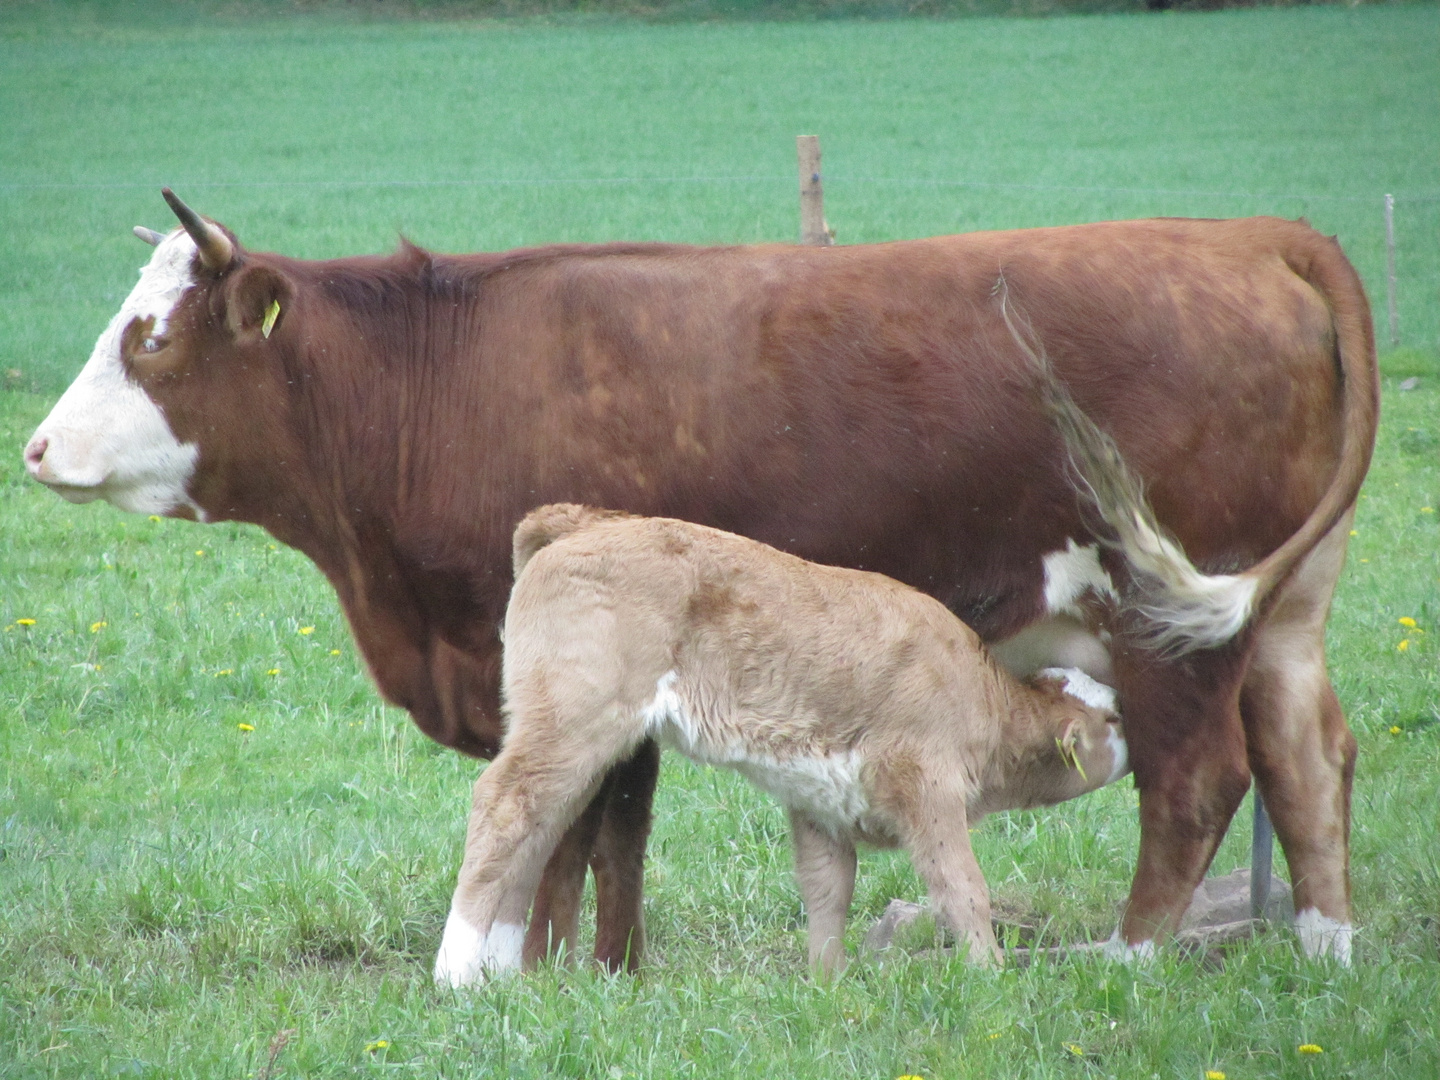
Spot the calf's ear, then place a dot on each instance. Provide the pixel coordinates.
(256, 301)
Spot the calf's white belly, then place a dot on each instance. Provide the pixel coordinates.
(825, 787)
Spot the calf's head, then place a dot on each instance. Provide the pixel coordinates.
(1065, 742)
(184, 378)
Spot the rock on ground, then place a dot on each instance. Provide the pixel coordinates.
(1219, 910)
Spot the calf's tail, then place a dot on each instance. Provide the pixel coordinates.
(546, 524)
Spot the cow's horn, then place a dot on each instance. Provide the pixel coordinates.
(216, 251)
(150, 236)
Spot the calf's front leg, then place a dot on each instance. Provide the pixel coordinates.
(825, 870)
(937, 834)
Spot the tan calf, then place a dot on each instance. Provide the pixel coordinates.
(863, 705)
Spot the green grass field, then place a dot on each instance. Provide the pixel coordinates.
(176, 890)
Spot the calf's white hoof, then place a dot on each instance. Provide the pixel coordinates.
(467, 956)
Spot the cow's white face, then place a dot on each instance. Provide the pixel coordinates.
(105, 438)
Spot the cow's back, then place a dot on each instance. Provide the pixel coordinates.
(867, 406)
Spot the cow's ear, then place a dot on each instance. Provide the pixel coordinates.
(257, 299)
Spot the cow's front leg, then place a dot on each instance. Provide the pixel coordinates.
(618, 860)
(825, 871)
(1187, 751)
(555, 920)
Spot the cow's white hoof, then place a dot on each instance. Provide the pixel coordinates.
(1117, 948)
(1321, 935)
(466, 956)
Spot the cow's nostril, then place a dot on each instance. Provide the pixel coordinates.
(35, 453)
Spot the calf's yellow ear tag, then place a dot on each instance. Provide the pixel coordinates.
(271, 314)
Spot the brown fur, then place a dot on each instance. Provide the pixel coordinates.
(860, 406)
(799, 664)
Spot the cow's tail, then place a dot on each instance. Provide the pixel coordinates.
(1185, 609)
(1182, 608)
(546, 524)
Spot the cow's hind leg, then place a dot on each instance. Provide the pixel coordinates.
(618, 859)
(1302, 752)
(1187, 752)
(825, 871)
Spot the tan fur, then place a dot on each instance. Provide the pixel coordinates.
(871, 712)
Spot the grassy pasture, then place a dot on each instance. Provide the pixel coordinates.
(175, 890)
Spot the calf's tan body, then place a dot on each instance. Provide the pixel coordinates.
(867, 708)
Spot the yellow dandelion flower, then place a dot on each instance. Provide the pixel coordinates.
(1214, 1074)
(1354, 532)
(1395, 730)
(1403, 645)
(199, 552)
(1427, 509)
(154, 517)
(225, 671)
(246, 727)
(334, 652)
(273, 671)
(307, 630)
(1406, 620)
(996, 1034)
(24, 622)
(909, 1076)
(1078, 1051)
(96, 627)
(378, 1044)
(1310, 1048)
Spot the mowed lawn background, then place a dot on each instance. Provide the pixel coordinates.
(177, 889)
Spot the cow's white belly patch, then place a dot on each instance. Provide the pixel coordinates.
(826, 787)
(1070, 574)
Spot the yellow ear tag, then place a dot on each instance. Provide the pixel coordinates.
(271, 314)
(1070, 756)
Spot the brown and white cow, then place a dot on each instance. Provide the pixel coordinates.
(864, 406)
(863, 705)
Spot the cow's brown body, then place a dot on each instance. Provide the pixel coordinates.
(862, 406)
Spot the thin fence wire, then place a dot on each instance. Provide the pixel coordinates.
(834, 179)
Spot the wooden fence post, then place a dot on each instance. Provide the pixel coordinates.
(813, 227)
(1390, 267)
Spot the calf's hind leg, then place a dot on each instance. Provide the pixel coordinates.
(825, 871)
(555, 922)
(528, 796)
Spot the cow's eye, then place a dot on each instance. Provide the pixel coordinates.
(152, 344)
